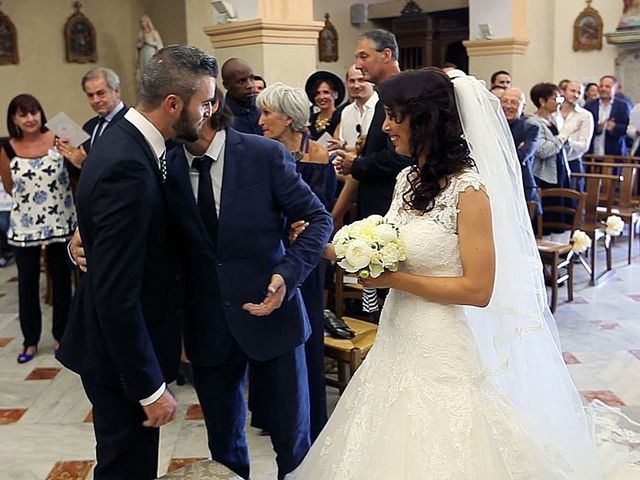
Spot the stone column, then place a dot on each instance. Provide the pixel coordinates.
(280, 45)
(505, 48)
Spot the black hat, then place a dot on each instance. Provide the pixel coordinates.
(332, 78)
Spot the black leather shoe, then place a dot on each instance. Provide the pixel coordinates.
(336, 327)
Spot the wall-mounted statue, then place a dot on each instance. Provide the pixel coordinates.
(149, 42)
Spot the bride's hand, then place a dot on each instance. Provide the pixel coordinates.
(383, 281)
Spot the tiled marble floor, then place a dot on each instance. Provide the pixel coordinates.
(45, 418)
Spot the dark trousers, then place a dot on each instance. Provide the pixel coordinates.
(125, 449)
(282, 382)
(28, 262)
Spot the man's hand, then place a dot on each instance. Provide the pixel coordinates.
(77, 251)
(276, 292)
(75, 155)
(160, 412)
(610, 124)
(335, 144)
(344, 161)
(296, 229)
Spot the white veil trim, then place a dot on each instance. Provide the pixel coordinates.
(516, 334)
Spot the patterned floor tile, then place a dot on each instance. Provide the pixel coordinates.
(89, 417)
(71, 470)
(635, 297)
(605, 396)
(4, 341)
(635, 353)
(11, 415)
(570, 358)
(43, 373)
(194, 412)
(177, 463)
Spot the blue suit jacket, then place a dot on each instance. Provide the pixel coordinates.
(525, 136)
(125, 318)
(615, 140)
(260, 190)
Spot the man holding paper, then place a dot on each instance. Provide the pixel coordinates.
(102, 87)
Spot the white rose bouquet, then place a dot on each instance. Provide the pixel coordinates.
(614, 225)
(368, 247)
(580, 241)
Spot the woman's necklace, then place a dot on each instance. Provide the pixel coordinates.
(303, 149)
(321, 123)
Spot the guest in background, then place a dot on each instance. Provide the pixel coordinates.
(284, 117)
(550, 167)
(326, 91)
(497, 90)
(238, 79)
(610, 118)
(377, 166)
(525, 136)
(580, 122)
(102, 88)
(501, 78)
(260, 82)
(6, 204)
(591, 92)
(43, 214)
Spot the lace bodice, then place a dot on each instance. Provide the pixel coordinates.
(430, 240)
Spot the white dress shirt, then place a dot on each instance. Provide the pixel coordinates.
(216, 152)
(156, 141)
(579, 127)
(604, 112)
(351, 116)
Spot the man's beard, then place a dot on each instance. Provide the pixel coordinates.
(186, 130)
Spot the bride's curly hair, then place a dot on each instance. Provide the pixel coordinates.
(426, 96)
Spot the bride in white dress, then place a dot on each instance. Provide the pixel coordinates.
(449, 390)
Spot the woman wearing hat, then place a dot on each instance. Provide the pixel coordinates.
(326, 91)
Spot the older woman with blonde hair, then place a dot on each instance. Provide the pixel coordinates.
(285, 113)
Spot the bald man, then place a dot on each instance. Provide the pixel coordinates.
(239, 81)
(575, 119)
(525, 137)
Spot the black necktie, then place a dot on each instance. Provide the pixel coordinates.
(98, 131)
(206, 200)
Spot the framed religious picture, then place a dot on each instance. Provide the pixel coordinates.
(328, 42)
(587, 30)
(80, 38)
(8, 41)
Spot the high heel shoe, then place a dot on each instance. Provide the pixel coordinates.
(25, 357)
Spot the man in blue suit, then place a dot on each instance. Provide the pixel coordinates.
(610, 119)
(231, 194)
(123, 334)
(525, 136)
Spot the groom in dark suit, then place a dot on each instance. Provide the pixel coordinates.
(123, 334)
(231, 194)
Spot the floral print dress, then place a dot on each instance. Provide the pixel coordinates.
(43, 210)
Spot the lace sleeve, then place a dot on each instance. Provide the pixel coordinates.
(446, 209)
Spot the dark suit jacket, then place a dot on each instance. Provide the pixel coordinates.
(88, 127)
(377, 168)
(525, 137)
(260, 190)
(124, 323)
(614, 141)
(245, 119)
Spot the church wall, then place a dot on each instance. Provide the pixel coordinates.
(43, 70)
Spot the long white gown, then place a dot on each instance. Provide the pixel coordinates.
(420, 406)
